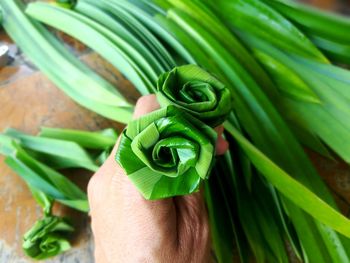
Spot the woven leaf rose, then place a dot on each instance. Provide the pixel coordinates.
(46, 238)
(167, 153)
(196, 91)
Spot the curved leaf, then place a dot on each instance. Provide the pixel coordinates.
(167, 153)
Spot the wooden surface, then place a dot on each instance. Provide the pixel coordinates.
(29, 100)
(26, 104)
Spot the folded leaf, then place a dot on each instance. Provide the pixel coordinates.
(167, 153)
(196, 91)
(42, 199)
(46, 238)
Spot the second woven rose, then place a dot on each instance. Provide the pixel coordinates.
(197, 92)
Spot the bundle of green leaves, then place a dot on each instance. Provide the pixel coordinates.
(279, 60)
(39, 160)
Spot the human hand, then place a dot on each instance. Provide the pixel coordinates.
(128, 228)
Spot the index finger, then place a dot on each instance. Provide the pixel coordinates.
(144, 105)
(112, 176)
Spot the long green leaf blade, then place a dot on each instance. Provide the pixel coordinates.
(295, 191)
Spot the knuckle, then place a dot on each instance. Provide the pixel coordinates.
(145, 99)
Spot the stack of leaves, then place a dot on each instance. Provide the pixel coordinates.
(275, 57)
(38, 161)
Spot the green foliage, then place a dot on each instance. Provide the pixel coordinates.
(197, 92)
(275, 59)
(47, 238)
(167, 153)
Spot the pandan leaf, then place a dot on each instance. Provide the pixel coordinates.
(113, 48)
(70, 153)
(66, 3)
(337, 52)
(167, 153)
(292, 189)
(258, 18)
(69, 74)
(98, 140)
(197, 92)
(47, 238)
(42, 178)
(157, 29)
(289, 83)
(42, 199)
(332, 26)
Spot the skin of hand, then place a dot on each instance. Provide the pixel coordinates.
(128, 228)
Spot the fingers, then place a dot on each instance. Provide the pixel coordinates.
(146, 104)
(110, 173)
(192, 224)
(113, 174)
(100, 255)
(112, 179)
(121, 216)
(110, 168)
(149, 103)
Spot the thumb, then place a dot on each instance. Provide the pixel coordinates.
(112, 177)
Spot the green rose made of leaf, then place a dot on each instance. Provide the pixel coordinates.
(196, 91)
(167, 153)
(46, 238)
